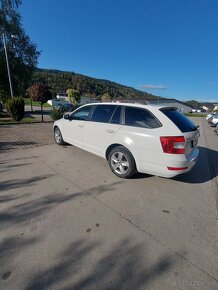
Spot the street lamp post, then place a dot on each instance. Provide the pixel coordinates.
(8, 68)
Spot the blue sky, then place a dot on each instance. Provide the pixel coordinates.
(165, 47)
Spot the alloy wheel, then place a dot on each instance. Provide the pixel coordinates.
(119, 162)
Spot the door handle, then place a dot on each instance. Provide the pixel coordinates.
(80, 125)
(110, 131)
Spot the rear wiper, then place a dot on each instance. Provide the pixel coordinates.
(195, 128)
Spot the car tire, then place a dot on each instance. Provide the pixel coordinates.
(58, 136)
(122, 162)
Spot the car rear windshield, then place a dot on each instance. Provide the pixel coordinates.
(181, 121)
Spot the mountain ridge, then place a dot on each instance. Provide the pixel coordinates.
(59, 81)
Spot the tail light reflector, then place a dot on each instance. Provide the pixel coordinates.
(176, 168)
(173, 144)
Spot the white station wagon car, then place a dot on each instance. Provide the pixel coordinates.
(133, 138)
(213, 120)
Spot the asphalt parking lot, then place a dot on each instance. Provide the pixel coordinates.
(66, 222)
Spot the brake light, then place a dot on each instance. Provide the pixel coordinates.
(173, 144)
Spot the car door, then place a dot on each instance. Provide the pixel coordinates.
(103, 125)
(73, 127)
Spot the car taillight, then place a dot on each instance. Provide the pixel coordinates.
(176, 168)
(173, 144)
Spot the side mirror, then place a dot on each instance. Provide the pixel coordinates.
(66, 117)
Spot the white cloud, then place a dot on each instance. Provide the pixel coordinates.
(153, 87)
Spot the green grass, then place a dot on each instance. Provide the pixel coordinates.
(37, 104)
(23, 121)
(195, 115)
(5, 119)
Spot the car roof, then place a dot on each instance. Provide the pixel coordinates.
(135, 105)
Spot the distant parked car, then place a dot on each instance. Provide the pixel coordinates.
(133, 137)
(213, 120)
(67, 107)
(210, 115)
(216, 130)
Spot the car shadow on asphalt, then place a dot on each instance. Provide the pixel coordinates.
(205, 169)
(139, 175)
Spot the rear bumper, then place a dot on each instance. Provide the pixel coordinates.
(172, 166)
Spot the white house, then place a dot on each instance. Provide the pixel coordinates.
(215, 107)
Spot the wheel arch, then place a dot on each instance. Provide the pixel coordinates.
(56, 126)
(59, 127)
(112, 146)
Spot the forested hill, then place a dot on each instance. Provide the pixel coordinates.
(60, 81)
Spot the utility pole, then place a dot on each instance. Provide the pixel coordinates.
(8, 68)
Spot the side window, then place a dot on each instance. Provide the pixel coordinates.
(116, 116)
(140, 118)
(82, 114)
(103, 113)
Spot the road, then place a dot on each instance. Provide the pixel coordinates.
(66, 222)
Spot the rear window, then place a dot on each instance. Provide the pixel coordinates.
(138, 117)
(181, 121)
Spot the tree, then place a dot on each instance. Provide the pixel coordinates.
(74, 96)
(106, 98)
(39, 93)
(15, 107)
(22, 53)
(9, 5)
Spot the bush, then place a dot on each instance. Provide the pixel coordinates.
(57, 113)
(15, 108)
